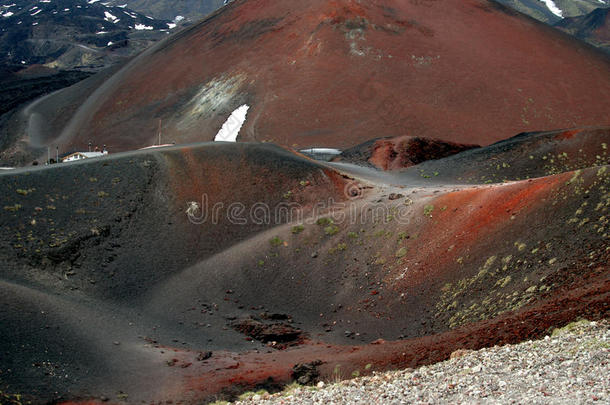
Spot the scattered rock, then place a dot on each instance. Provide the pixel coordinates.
(306, 373)
(204, 356)
(460, 353)
(277, 332)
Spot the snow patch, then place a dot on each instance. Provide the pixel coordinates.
(178, 18)
(37, 12)
(109, 17)
(141, 27)
(230, 129)
(6, 15)
(550, 4)
(171, 25)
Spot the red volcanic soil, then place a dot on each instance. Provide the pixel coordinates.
(400, 152)
(337, 73)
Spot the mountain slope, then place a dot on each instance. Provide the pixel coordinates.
(551, 11)
(336, 73)
(170, 9)
(73, 34)
(593, 27)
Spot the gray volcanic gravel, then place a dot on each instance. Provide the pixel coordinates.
(572, 365)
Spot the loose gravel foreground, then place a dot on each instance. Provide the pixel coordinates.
(572, 365)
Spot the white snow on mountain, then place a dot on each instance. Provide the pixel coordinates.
(550, 4)
(230, 129)
(110, 18)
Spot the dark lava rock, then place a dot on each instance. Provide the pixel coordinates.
(275, 316)
(204, 356)
(394, 196)
(275, 332)
(306, 373)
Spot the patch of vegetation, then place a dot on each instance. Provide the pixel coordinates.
(288, 194)
(12, 399)
(297, 229)
(572, 327)
(290, 388)
(520, 246)
(250, 394)
(428, 210)
(402, 252)
(12, 208)
(352, 235)
(339, 248)
(380, 261)
(102, 194)
(402, 236)
(324, 221)
(24, 192)
(331, 230)
(276, 241)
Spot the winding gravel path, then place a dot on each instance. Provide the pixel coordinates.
(570, 366)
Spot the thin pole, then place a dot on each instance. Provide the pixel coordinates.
(48, 155)
(159, 132)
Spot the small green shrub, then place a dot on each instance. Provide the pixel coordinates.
(324, 221)
(276, 241)
(298, 229)
(21, 191)
(402, 252)
(428, 210)
(331, 230)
